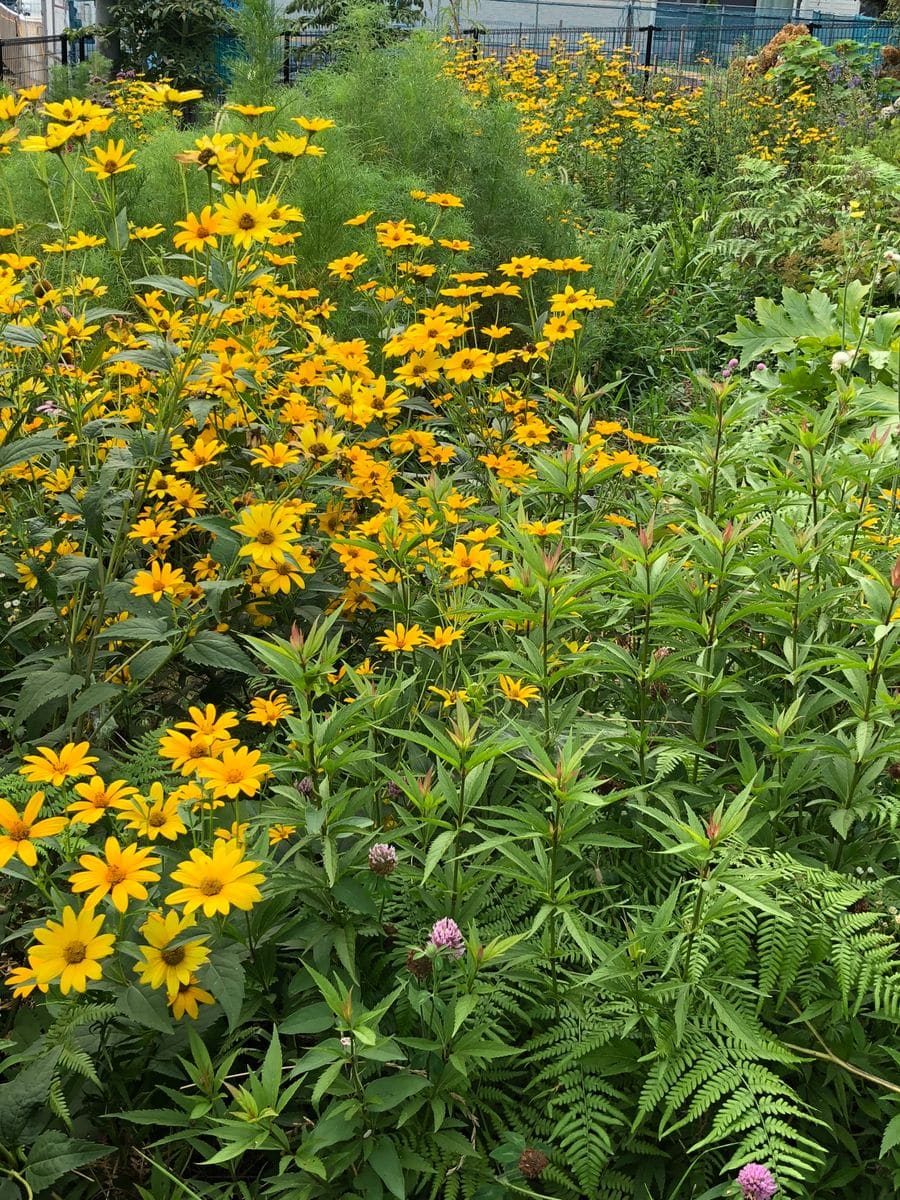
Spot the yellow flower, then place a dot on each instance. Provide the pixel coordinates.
(270, 530)
(18, 833)
(448, 696)
(269, 710)
(48, 766)
(153, 817)
(275, 456)
(23, 982)
(281, 833)
(186, 998)
(246, 219)
(166, 965)
(251, 110)
(207, 720)
(542, 529)
(518, 690)
(361, 218)
(161, 580)
(236, 772)
(199, 232)
(184, 751)
(69, 951)
(401, 638)
(97, 798)
(122, 873)
(313, 124)
(216, 882)
(113, 160)
(443, 636)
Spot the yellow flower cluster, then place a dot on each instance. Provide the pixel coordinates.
(214, 768)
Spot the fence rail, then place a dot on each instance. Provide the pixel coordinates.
(712, 42)
(27, 61)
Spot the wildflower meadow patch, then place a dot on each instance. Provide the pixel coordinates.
(449, 688)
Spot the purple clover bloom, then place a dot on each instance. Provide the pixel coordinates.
(383, 859)
(756, 1182)
(445, 935)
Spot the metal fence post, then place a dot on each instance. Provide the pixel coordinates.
(63, 49)
(2, 64)
(286, 67)
(814, 27)
(82, 50)
(648, 48)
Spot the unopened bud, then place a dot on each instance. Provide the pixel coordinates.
(895, 576)
(296, 638)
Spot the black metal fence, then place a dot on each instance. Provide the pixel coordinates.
(25, 62)
(713, 43)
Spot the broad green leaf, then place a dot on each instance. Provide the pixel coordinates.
(54, 1155)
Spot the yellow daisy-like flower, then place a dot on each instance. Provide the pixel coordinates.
(270, 531)
(217, 882)
(187, 997)
(154, 816)
(518, 690)
(234, 773)
(97, 798)
(19, 833)
(246, 219)
(281, 833)
(122, 874)
(23, 982)
(113, 159)
(161, 580)
(269, 710)
(400, 638)
(167, 965)
(55, 767)
(69, 951)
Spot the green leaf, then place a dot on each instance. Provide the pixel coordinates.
(138, 629)
(891, 1136)
(145, 1009)
(209, 649)
(149, 661)
(167, 283)
(224, 976)
(312, 1018)
(436, 851)
(54, 1155)
(41, 688)
(23, 335)
(118, 234)
(153, 1116)
(391, 1090)
(385, 1162)
(19, 1096)
(23, 450)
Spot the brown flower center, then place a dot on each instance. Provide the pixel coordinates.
(265, 537)
(75, 952)
(156, 820)
(115, 875)
(110, 166)
(201, 232)
(19, 831)
(247, 221)
(210, 886)
(234, 775)
(174, 956)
